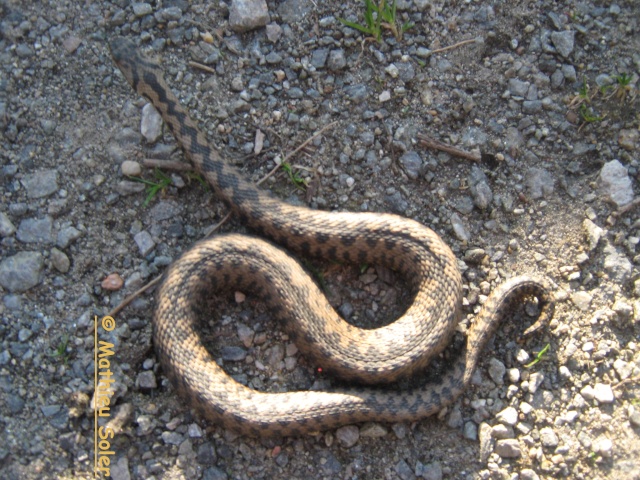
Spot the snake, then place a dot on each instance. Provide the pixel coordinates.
(367, 362)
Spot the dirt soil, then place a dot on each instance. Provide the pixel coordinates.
(548, 89)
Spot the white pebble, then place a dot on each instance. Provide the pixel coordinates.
(535, 380)
(131, 168)
(526, 408)
(522, 356)
(508, 416)
(603, 393)
(588, 393)
(150, 123)
(514, 375)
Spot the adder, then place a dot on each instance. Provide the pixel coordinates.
(251, 264)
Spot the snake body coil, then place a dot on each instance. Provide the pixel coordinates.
(250, 264)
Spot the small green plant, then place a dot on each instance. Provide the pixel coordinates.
(297, 180)
(588, 115)
(623, 87)
(623, 80)
(539, 356)
(377, 17)
(198, 178)
(163, 181)
(61, 350)
(583, 96)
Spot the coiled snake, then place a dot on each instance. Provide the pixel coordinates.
(250, 264)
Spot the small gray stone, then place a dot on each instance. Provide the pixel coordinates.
(412, 164)
(406, 71)
(622, 309)
(357, 93)
(532, 106)
(628, 139)
(15, 403)
(508, 448)
(147, 380)
(518, 88)
(60, 261)
(497, 371)
(230, 353)
(623, 369)
(474, 255)
(24, 51)
(564, 42)
(528, 474)
(24, 334)
(459, 229)
(603, 445)
(346, 310)
(274, 32)
(487, 441)
(214, 473)
(397, 203)
(274, 57)
(165, 210)
(48, 126)
(482, 195)
(615, 184)
(539, 183)
(582, 300)
(634, 416)
(569, 72)
(169, 13)
(593, 232)
(150, 123)
(145, 242)
(40, 184)
(348, 436)
(404, 471)
(35, 230)
(293, 11)
(336, 60)
(470, 431)
(21, 272)
(430, 471)
(617, 265)
(319, 57)
(548, 437)
(7, 228)
(120, 469)
(172, 438)
(373, 430)
(501, 431)
(141, 9)
(245, 15)
(401, 430)
(66, 236)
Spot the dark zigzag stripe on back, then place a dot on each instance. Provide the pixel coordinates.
(426, 263)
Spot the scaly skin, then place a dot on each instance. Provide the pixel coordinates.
(253, 265)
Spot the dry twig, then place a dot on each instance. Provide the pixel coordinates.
(202, 67)
(429, 142)
(451, 47)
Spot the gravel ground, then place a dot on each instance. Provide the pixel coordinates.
(549, 87)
